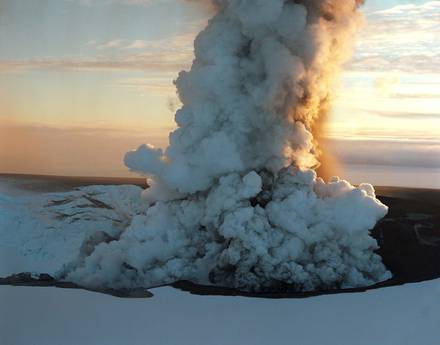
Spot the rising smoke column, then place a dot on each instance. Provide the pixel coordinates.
(261, 78)
(234, 199)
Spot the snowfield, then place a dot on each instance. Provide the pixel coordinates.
(42, 232)
(408, 314)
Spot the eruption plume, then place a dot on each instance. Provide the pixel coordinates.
(234, 200)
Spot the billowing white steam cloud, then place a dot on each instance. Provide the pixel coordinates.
(234, 200)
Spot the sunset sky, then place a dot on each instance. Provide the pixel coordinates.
(83, 81)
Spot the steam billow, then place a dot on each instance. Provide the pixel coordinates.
(234, 200)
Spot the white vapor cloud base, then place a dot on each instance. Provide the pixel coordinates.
(232, 200)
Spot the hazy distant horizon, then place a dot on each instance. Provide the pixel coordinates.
(411, 163)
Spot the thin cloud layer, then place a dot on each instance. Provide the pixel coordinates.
(404, 38)
(133, 2)
(171, 54)
(113, 2)
(129, 63)
(397, 153)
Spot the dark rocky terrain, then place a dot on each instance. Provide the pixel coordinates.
(409, 240)
(409, 236)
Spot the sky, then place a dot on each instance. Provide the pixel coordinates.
(83, 81)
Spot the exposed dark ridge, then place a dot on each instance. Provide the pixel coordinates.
(45, 280)
(48, 183)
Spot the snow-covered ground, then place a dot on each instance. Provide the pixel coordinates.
(42, 232)
(393, 316)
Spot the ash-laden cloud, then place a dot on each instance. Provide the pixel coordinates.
(234, 199)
